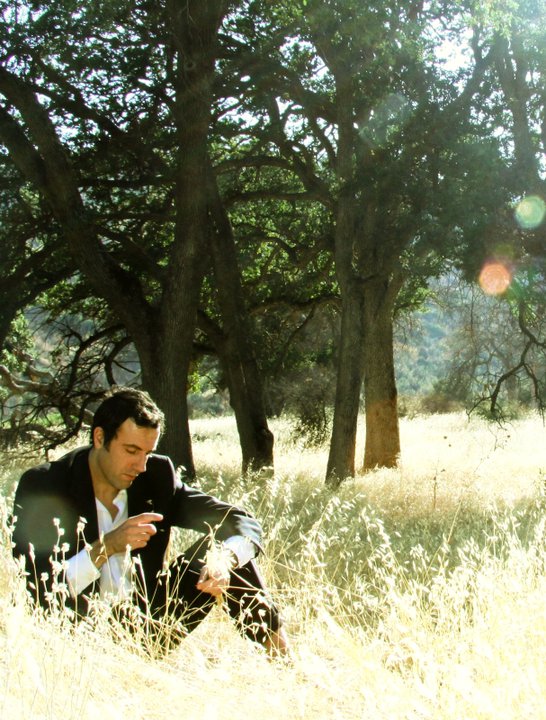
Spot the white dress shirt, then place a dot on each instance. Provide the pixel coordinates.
(114, 574)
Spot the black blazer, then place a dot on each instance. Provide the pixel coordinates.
(55, 515)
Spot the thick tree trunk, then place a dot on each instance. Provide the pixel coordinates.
(365, 352)
(382, 428)
(194, 28)
(164, 367)
(246, 399)
(341, 458)
(349, 271)
(235, 347)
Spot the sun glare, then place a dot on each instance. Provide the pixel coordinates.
(495, 278)
(530, 212)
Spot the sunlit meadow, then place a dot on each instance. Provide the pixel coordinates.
(411, 593)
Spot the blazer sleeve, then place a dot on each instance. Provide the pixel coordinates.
(207, 514)
(191, 508)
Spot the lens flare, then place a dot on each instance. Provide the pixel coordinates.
(530, 212)
(495, 278)
(386, 119)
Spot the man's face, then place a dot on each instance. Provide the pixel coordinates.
(126, 456)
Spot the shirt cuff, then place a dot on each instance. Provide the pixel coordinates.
(81, 572)
(243, 548)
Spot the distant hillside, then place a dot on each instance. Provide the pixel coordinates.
(422, 351)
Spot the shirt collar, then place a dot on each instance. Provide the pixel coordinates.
(120, 501)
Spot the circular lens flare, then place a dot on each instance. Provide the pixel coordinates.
(530, 212)
(495, 278)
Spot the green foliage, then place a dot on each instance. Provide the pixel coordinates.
(18, 345)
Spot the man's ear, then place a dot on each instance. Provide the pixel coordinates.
(98, 437)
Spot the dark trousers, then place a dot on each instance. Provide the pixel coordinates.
(177, 606)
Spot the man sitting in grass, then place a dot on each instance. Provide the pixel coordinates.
(98, 520)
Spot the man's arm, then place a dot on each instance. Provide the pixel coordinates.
(207, 514)
(235, 537)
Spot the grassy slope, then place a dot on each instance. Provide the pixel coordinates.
(415, 593)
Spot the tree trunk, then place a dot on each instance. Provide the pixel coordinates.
(366, 351)
(235, 348)
(246, 399)
(382, 428)
(341, 458)
(349, 271)
(164, 362)
(194, 28)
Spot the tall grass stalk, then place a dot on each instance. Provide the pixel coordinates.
(418, 592)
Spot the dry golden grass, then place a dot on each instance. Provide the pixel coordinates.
(411, 593)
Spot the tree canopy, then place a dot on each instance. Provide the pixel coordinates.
(212, 178)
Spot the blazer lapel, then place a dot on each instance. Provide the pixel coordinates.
(139, 498)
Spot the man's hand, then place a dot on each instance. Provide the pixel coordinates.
(135, 532)
(215, 575)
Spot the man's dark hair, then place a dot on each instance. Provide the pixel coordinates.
(123, 403)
